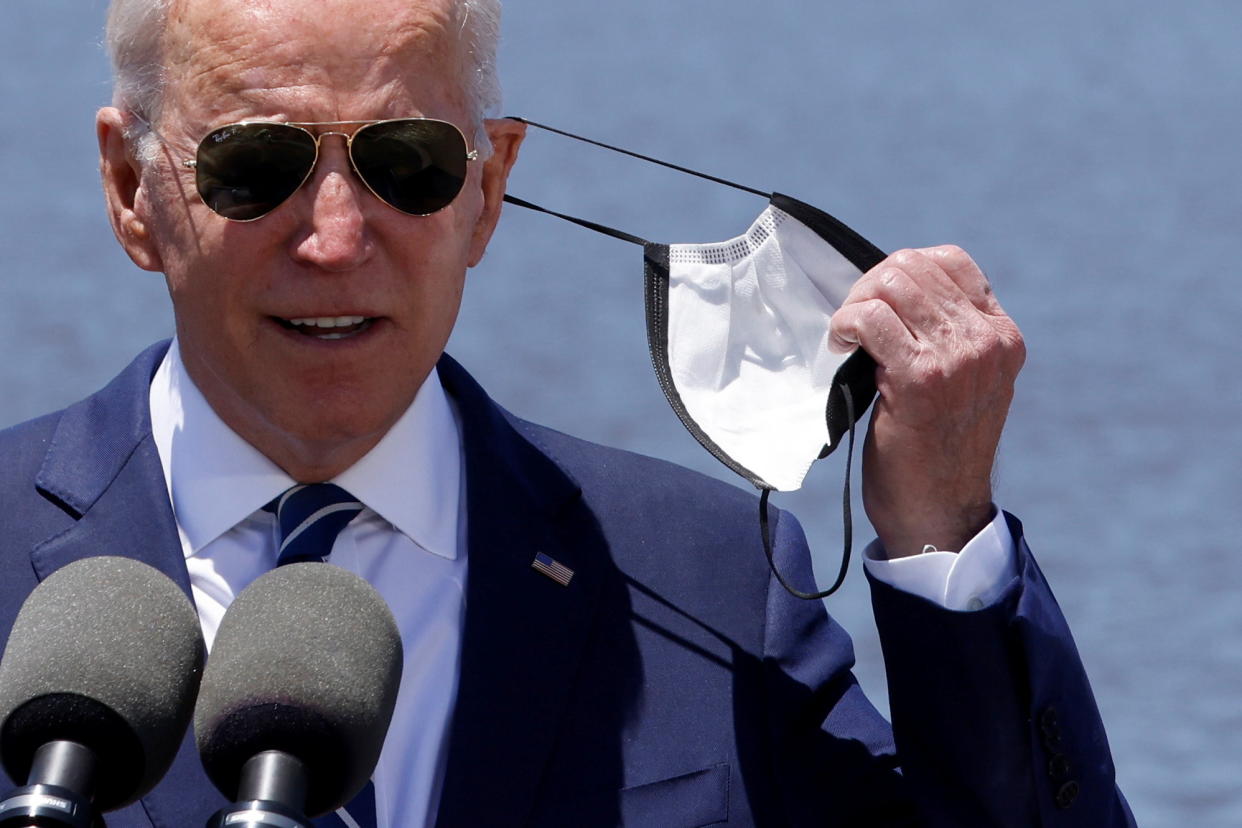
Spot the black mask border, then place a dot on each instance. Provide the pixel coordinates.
(857, 372)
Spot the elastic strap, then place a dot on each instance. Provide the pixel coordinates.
(590, 225)
(764, 526)
(632, 154)
(846, 515)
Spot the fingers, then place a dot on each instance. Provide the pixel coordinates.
(874, 325)
(933, 292)
(957, 264)
(947, 357)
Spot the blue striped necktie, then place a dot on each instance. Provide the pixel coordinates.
(310, 518)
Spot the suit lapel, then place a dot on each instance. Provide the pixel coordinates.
(524, 632)
(102, 467)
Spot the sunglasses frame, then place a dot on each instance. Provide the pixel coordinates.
(317, 137)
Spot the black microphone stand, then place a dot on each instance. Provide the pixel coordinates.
(271, 794)
(58, 790)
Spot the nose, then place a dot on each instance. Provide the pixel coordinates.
(336, 237)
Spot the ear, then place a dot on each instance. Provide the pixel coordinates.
(506, 135)
(122, 183)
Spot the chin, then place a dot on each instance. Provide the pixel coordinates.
(324, 449)
(323, 428)
(332, 425)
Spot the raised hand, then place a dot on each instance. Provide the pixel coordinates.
(947, 357)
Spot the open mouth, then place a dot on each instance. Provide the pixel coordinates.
(328, 327)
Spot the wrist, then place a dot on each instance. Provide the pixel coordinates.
(944, 531)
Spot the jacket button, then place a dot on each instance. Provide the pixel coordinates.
(1067, 794)
(1050, 727)
(1058, 766)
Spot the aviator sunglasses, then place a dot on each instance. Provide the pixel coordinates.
(246, 170)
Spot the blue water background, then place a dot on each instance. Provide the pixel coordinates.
(1087, 153)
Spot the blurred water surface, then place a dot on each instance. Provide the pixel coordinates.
(1085, 152)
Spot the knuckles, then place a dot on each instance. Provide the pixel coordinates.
(981, 359)
(943, 256)
(953, 254)
(954, 342)
(908, 258)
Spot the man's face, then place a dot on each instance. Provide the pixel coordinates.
(312, 403)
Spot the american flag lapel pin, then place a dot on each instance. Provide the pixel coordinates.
(554, 569)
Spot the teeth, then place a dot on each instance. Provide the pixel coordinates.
(329, 321)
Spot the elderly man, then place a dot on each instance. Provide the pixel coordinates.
(315, 281)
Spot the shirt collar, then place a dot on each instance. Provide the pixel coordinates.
(215, 479)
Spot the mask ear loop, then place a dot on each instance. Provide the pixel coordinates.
(765, 528)
(646, 158)
(847, 518)
(581, 222)
(603, 228)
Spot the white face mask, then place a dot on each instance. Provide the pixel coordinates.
(738, 332)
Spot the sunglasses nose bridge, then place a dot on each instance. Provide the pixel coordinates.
(336, 171)
(347, 137)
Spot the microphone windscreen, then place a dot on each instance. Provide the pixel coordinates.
(106, 652)
(307, 661)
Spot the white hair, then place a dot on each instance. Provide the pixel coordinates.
(134, 39)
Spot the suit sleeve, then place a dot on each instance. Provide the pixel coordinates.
(832, 753)
(994, 719)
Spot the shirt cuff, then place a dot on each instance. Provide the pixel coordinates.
(965, 581)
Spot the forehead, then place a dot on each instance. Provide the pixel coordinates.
(335, 57)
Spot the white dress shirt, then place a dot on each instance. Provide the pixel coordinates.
(409, 543)
(968, 580)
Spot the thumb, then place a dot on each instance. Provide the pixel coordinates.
(843, 331)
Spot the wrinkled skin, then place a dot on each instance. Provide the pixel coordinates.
(312, 406)
(948, 356)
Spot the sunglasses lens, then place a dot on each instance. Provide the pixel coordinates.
(245, 171)
(416, 165)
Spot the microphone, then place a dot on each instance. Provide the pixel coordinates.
(97, 687)
(297, 695)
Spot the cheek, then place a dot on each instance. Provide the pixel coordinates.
(433, 254)
(212, 285)
(203, 321)
(469, 202)
(469, 214)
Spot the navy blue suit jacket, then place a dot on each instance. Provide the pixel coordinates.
(672, 683)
